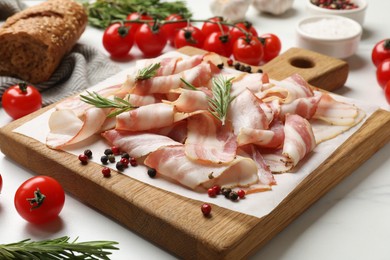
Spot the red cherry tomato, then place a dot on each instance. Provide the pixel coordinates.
(189, 36)
(39, 199)
(236, 33)
(118, 39)
(218, 43)
(210, 27)
(380, 52)
(170, 29)
(248, 50)
(137, 16)
(150, 40)
(387, 91)
(383, 72)
(271, 45)
(20, 100)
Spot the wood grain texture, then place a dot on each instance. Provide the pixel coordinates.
(176, 223)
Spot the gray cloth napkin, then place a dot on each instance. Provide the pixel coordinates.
(83, 67)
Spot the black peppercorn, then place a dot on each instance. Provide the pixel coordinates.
(108, 151)
(111, 158)
(233, 196)
(125, 155)
(237, 66)
(120, 166)
(152, 172)
(88, 153)
(220, 66)
(104, 159)
(226, 192)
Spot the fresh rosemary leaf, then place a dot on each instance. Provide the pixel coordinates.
(58, 248)
(120, 105)
(219, 103)
(189, 85)
(148, 72)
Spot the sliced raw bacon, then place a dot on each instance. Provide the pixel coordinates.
(67, 128)
(208, 140)
(173, 163)
(146, 118)
(138, 144)
(270, 138)
(286, 90)
(305, 107)
(190, 101)
(198, 76)
(299, 139)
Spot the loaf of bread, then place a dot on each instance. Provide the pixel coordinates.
(33, 41)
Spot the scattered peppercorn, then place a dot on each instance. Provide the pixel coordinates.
(217, 189)
(233, 196)
(120, 166)
(108, 151)
(125, 161)
(241, 194)
(83, 158)
(152, 172)
(335, 4)
(248, 69)
(226, 192)
(125, 155)
(106, 172)
(88, 153)
(206, 209)
(104, 159)
(237, 66)
(111, 158)
(115, 150)
(259, 71)
(230, 62)
(133, 162)
(212, 192)
(220, 66)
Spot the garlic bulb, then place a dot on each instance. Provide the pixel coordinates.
(231, 10)
(276, 7)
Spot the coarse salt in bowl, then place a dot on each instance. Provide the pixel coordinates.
(331, 35)
(357, 14)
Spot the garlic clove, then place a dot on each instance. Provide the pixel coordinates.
(231, 10)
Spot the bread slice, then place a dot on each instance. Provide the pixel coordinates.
(33, 41)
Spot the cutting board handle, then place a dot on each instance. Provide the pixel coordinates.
(319, 70)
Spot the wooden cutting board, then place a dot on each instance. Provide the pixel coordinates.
(175, 222)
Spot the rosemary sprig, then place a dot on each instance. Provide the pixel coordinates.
(148, 72)
(188, 85)
(58, 248)
(120, 105)
(219, 103)
(102, 12)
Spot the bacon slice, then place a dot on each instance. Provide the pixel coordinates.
(271, 138)
(198, 76)
(208, 140)
(299, 139)
(190, 101)
(305, 107)
(146, 117)
(173, 163)
(138, 144)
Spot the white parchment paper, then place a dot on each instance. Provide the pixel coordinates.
(258, 204)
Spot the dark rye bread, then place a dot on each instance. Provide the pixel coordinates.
(33, 41)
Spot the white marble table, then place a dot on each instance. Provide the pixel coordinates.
(350, 222)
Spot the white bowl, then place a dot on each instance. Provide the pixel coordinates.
(331, 35)
(356, 14)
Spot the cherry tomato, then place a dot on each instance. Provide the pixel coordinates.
(170, 29)
(150, 40)
(118, 39)
(39, 199)
(20, 100)
(387, 91)
(236, 33)
(218, 43)
(189, 36)
(248, 50)
(210, 27)
(271, 46)
(137, 16)
(380, 52)
(383, 72)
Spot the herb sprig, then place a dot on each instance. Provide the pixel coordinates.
(219, 103)
(58, 248)
(120, 105)
(101, 13)
(148, 72)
